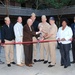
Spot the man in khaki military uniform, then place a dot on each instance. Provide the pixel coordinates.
(52, 45)
(45, 28)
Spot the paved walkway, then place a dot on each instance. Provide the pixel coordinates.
(38, 68)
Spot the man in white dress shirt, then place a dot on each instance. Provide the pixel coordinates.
(64, 37)
(18, 30)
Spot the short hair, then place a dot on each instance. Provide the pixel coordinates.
(33, 14)
(19, 17)
(43, 16)
(6, 18)
(65, 19)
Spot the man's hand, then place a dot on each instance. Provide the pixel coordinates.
(46, 34)
(3, 45)
(13, 41)
(58, 39)
(38, 32)
(70, 39)
(63, 39)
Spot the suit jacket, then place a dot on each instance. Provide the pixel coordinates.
(27, 33)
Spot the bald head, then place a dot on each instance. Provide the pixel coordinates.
(29, 22)
(19, 19)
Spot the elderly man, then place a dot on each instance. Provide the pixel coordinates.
(52, 45)
(28, 33)
(7, 36)
(35, 45)
(45, 28)
(18, 30)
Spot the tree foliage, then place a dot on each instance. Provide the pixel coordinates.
(20, 1)
(42, 4)
(58, 3)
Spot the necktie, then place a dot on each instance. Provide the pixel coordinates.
(30, 29)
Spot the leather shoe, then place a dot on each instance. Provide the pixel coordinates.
(9, 65)
(20, 65)
(73, 62)
(29, 65)
(13, 63)
(45, 62)
(65, 66)
(41, 60)
(49, 62)
(51, 65)
(62, 65)
(35, 60)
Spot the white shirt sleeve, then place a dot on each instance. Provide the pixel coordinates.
(17, 33)
(69, 34)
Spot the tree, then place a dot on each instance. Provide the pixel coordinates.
(20, 1)
(2, 2)
(39, 4)
(36, 4)
(58, 3)
(7, 3)
(72, 2)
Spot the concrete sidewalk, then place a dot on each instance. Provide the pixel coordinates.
(38, 68)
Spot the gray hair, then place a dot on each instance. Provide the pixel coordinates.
(6, 18)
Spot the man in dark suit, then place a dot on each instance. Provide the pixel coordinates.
(28, 33)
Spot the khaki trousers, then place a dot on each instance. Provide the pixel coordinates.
(41, 51)
(9, 52)
(34, 48)
(52, 47)
(44, 46)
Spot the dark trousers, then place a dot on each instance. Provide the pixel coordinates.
(28, 51)
(73, 50)
(65, 55)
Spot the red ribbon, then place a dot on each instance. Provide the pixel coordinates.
(29, 42)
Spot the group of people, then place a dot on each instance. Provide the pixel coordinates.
(33, 31)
